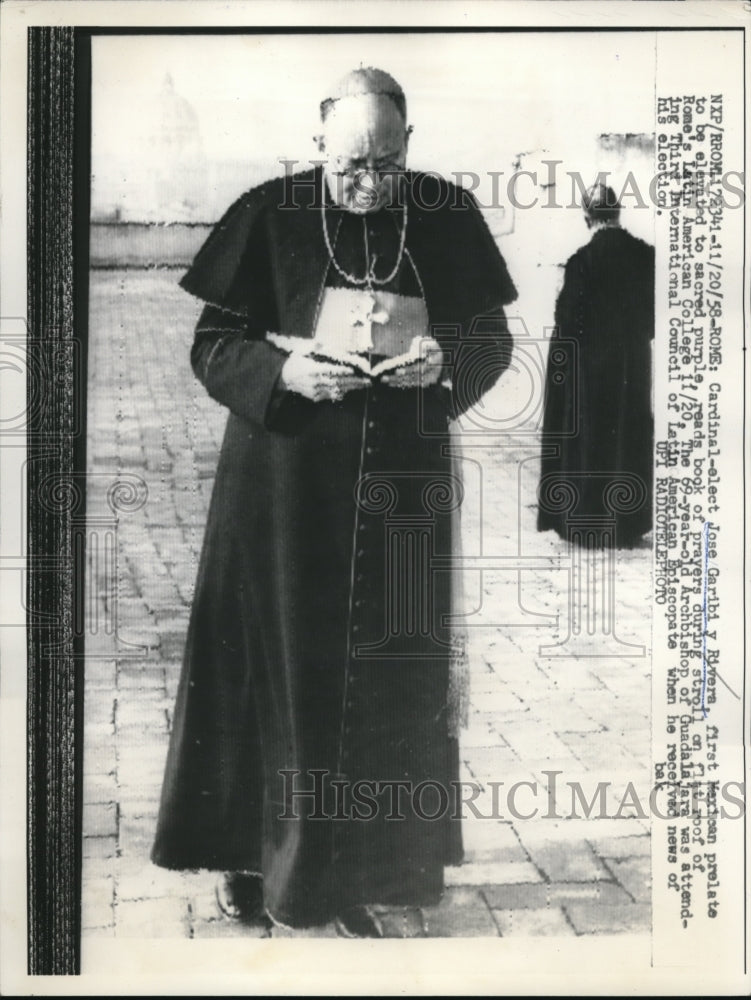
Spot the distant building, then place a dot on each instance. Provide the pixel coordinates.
(180, 168)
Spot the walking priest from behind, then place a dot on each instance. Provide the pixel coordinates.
(596, 470)
(350, 312)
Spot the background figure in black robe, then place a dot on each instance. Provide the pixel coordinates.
(596, 468)
(318, 647)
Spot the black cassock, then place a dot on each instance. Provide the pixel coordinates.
(597, 441)
(301, 665)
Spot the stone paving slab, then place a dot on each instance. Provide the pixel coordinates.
(590, 917)
(532, 709)
(463, 912)
(526, 923)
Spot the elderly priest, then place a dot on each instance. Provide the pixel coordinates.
(351, 312)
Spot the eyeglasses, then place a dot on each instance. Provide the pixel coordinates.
(343, 168)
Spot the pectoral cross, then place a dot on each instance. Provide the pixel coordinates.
(364, 315)
(376, 313)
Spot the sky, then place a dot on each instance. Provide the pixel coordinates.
(475, 100)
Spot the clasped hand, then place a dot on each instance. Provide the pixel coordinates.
(320, 380)
(423, 372)
(327, 381)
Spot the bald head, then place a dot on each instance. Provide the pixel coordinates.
(364, 139)
(367, 80)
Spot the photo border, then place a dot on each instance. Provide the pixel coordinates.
(59, 64)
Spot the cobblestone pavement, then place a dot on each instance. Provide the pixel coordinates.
(532, 711)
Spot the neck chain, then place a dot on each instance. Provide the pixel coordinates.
(370, 278)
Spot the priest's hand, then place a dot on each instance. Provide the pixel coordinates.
(423, 372)
(319, 380)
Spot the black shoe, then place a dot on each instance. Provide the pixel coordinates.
(240, 897)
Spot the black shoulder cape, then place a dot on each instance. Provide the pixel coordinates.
(462, 271)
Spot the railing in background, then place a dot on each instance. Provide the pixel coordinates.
(145, 244)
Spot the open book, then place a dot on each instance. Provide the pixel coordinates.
(357, 362)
